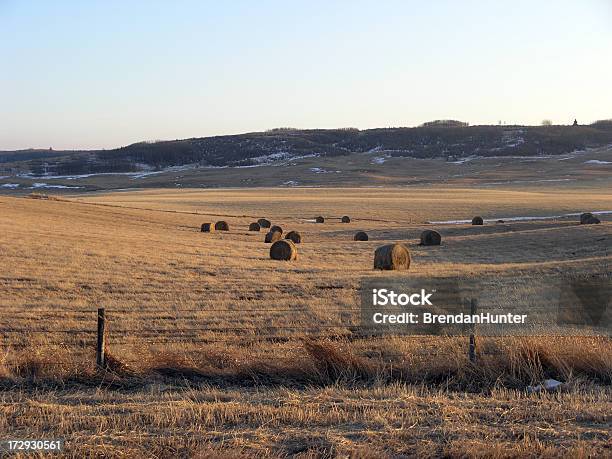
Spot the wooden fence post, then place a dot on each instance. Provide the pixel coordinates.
(472, 349)
(101, 344)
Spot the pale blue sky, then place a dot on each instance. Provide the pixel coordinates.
(93, 74)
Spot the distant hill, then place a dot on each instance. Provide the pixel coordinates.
(33, 154)
(444, 139)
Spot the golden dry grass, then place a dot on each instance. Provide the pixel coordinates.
(255, 377)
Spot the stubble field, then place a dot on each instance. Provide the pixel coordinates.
(217, 350)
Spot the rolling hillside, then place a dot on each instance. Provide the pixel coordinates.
(260, 148)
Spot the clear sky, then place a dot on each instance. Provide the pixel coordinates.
(101, 74)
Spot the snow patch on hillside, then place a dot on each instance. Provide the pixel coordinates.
(37, 185)
(319, 170)
(279, 158)
(133, 175)
(380, 159)
(465, 160)
(528, 181)
(519, 219)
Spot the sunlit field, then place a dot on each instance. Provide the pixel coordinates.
(215, 349)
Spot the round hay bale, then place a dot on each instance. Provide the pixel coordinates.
(276, 228)
(592, 220)
(360, 236)
(585, 216)
(273, 236)
(319, 219)
(392, 257)
(254, 226)
(283, 250)
(346, 219)
(207, 228)
(477, 221)
(294, 236)
(264, 223)
(430, 237)
(221, 226)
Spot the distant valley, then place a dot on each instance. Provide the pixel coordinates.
(446, 153)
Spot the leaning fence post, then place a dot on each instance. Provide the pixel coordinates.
(101, 344)
(472, 349)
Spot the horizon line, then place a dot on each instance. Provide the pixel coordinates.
(289, 128)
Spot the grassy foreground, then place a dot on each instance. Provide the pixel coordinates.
(218, 351)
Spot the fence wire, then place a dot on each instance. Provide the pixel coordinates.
(245, 334)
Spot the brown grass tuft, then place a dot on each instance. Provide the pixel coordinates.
(334, 362)
(117, 366)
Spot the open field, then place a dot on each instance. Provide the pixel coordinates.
(216, 349)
